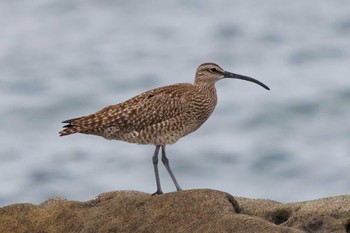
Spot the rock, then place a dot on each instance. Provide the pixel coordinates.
(323, 215)
(186, 211)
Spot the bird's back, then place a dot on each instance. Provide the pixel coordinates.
(159, 116)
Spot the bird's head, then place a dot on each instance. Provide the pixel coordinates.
(210, 73)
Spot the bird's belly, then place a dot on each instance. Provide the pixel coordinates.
(161, 137)
(157, 139)
(158, 134)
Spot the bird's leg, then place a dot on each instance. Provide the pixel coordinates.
(165, 161)
(155, 166)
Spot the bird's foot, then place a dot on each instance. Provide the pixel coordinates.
(158, 192)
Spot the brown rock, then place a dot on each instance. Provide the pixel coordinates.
(323, 215)
(186, 211)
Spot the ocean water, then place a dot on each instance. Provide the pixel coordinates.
(61, 59)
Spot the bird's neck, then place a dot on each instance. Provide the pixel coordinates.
(206, 87)
(208, 90)
(203, 103)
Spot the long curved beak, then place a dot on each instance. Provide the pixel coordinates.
(238, 76)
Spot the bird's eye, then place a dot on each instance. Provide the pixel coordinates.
(213, 70)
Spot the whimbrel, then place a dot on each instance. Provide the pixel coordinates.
(160, 116)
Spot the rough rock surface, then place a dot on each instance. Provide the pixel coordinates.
(186, 211)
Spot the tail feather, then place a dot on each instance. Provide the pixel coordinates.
(68, 131)
(72, 120)
(70, 128)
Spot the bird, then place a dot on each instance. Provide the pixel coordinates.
(160, 116)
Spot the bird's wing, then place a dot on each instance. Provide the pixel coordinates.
(137, 113)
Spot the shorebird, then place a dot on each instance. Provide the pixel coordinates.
(159, 116)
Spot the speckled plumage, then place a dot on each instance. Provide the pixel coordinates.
(160, 116)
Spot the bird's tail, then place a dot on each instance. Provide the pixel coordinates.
(70, 127)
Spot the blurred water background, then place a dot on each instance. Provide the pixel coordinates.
(61, 59)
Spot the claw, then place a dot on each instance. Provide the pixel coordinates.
(158, 192)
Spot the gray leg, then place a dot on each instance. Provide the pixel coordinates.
(165, 161)
(155, 166)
